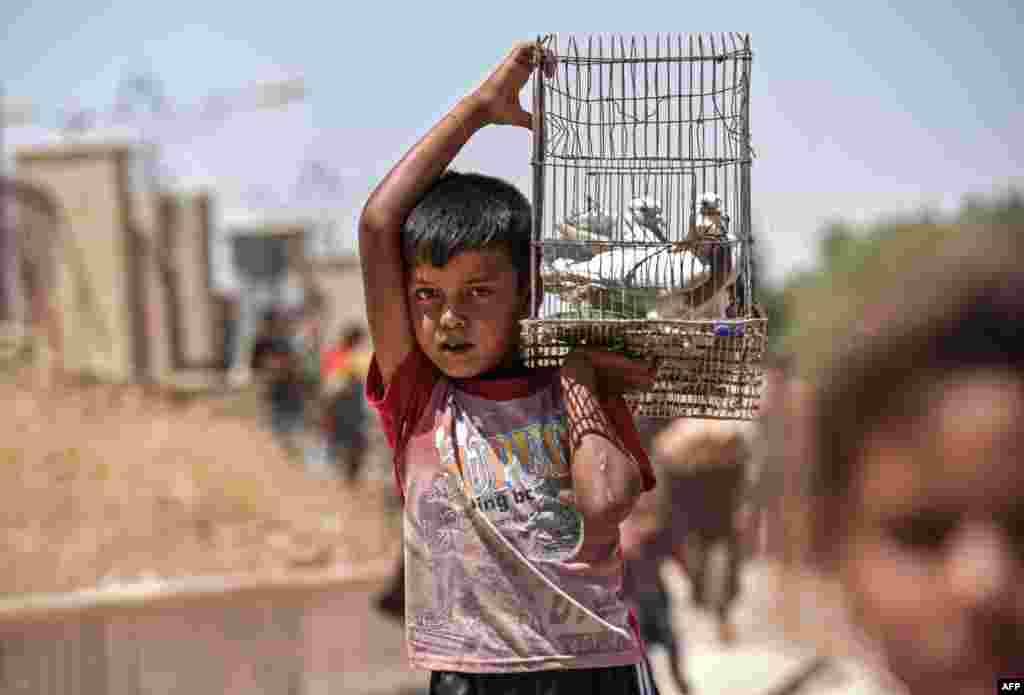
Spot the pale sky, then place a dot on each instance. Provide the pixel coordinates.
(858, 109)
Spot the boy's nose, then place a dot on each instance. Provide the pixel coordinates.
(451, 319)
(982, 565)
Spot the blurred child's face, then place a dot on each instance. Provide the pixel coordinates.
(466, 314)
(934, 555)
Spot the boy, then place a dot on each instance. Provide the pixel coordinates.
(514, 480)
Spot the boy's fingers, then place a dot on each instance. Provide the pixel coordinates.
(548, 62)
(523, 54)
(522, 60)
(523, 119)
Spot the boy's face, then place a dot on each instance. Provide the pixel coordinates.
(466, 314)
(934, 554)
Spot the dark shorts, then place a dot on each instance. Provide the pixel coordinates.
(653, 616)
(614, 680)
(286, 419)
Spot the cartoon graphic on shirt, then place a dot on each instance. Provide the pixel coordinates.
(556, 527)
(520, 479)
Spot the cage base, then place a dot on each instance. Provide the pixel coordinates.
(706, 369)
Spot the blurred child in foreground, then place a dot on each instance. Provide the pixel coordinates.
(515, 480)
(917, 485)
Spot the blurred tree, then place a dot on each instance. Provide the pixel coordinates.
(1006, 208)
(826, 302)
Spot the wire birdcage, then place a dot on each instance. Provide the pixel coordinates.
(641, 232)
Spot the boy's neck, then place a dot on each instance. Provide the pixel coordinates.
(505, 370)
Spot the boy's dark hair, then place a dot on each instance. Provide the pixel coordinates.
(966, 312)
(468, 211)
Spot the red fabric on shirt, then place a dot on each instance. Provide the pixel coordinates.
(401, 402)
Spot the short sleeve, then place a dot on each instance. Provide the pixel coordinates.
(400, 404)
(618, 412)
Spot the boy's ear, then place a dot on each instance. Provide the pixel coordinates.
(524, 302)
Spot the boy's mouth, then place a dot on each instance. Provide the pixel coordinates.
(455, 347)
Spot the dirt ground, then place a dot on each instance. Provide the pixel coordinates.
(104, 484)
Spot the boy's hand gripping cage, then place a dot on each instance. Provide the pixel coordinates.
(641, 231)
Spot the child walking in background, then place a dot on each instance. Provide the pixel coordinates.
(515, 480)
(343, 404)
(701, 467)
(274, 362)
(651, 536)
(704, 477)
(918, 487)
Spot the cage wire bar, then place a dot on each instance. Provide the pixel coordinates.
(642, 226)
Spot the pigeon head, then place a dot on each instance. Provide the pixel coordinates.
(710, 201)
(644, 206)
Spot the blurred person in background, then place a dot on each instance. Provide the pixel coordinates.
(772, 519)
(344, 368)
(652, 535)
(308, 342)
(274, 362)
(917, 441)
(769, 473)
(703, 480)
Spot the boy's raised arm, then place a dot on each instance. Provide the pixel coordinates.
(495, 101)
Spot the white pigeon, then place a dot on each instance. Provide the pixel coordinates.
(589, 224)
(630, 267)
(648, 225)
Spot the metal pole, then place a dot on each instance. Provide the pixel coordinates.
(538, 182)
(749, 271)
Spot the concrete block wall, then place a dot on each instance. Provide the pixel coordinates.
(132, 276)
(98, 288)
(200, 341)
(152, 238)
(340, 281)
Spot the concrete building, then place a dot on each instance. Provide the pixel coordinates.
(199, 335)
(127, 269)
(131, 281)
(99, 288)
(340, 281)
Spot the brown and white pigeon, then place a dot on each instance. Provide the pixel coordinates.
(709, 225)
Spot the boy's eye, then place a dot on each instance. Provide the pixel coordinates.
(922, 532)
(481, 292)
(424, 294)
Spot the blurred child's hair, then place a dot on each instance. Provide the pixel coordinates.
(961, 308)
(467, 211)
(688, 447)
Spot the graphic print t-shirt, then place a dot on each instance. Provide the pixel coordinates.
(490, 526)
